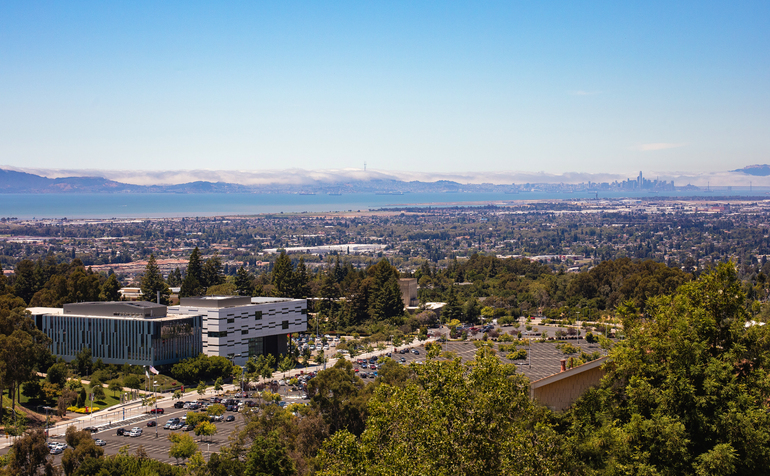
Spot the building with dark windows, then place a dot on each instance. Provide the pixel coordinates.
(239, 327)
(137, 333)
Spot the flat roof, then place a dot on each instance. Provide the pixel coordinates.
(57, 311)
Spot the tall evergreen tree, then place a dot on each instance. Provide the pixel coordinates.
(174, 278)
(211, 274)
(110, 289)
(452, 310)
(283, 276)
(192, 283)
(301, 281)
(385, 300)
(244, 282)
(152, 282)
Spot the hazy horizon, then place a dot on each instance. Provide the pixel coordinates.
(319, 176)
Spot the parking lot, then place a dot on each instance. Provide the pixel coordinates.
(543, 357)
(157, 447)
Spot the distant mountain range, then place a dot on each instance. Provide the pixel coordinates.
(337, 182)
(12, 181)
(757, 170)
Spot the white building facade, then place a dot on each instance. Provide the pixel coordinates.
(239, 327)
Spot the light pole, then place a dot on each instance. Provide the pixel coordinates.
(155, 387)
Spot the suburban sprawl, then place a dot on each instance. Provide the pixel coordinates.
(550, 337)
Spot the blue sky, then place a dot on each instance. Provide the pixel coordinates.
(426, 86)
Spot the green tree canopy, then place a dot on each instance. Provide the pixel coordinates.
(153, 282)
(686, 392)
(192, 284)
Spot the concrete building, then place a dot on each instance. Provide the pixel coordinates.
(408, 291)
(241, 327)
(137, 333)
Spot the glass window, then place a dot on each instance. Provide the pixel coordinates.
(285, 325)
(258, 315)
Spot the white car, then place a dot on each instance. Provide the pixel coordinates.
(135, 431)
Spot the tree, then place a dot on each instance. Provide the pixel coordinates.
(451, 418)
(244, 282)
(57, 374)
(472, 310)
(301, 281)
(29, 453)
(81, 447)
(385, 300)
(218, 384)
(205, 428)
(211, 274)
(337, 394)
(65, 400)
(182, 446)
(110, 289)
(196, 418)
(98, 391)
(83, 363)
(201, 388)
(689, 371)
(174, 278)
(153, 282)
(286, 364)
(451, 310)
(82, 398)
(192, 283)
(268, 457)
(177, 395)
(132, 381)
(283, 276)
(115, 388)
(216, 410)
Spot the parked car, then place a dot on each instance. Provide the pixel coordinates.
(179, 404)
(415, 352)
(56, 450)
(136, 431)
(121, 431)
(230, 418)
(152, 423)
(92, 429)
(100, 442)
(159, 411)
(402, 360)
(187, 427)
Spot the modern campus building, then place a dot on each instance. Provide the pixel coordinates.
(121, 332)
(240, 327)
(145, 333)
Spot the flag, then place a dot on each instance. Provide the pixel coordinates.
(154, 370)
(147, 374)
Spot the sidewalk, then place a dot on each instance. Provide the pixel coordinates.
(127, 413)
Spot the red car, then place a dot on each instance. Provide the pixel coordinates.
(151, 423)
(159, 411)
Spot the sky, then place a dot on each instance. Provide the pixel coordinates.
(429, 87)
